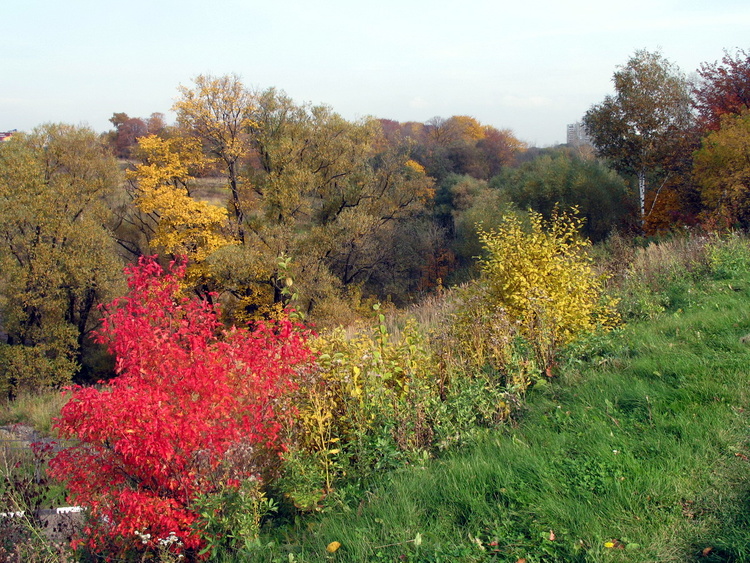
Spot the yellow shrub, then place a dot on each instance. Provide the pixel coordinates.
(363, 386)
(543, 278)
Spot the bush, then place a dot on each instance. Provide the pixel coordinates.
(195, 410)
(364, 407)
(542, 278)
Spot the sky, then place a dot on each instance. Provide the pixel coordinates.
(532, 67)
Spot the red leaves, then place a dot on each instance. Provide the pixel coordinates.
(724, 88)
(193, 407)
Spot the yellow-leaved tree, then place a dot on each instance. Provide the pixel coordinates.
(217, 112)
(542, 278)
(184, 225)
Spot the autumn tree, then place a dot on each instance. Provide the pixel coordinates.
(644, 128)
(194, 410)
(723, 88)
(462, 145)
(217, 111)
(499, 149)
(325, 192)
(722, 169)
(161, 182)
(57, 260)
(128, 130)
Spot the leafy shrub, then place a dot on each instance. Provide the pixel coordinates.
(542, 278)
(194, 410)
(365, 406)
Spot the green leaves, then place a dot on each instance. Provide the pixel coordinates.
(57, 260)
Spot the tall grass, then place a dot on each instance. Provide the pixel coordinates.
(36, 409)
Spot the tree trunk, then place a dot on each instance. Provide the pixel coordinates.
(642, 195)
(236, 204)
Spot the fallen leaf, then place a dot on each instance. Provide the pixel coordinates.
(333, 547)
(552, 536)
(706, 551)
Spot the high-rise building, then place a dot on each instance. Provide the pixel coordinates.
(577, 136)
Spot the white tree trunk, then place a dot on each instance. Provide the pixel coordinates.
(642, 195)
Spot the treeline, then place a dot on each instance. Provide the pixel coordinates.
(276, 203)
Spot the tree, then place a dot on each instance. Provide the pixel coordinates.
(184, 226)
(723, 88)
(499, 148)
(217, 111)
(57, 260)
(195, 409)
(327, 193)
(559, 178)
(127, 132)
(722, 169)
(642, 129)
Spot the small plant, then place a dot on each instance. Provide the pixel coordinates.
(24, 490)
(230, 518)
(729, 257)
(365, 406)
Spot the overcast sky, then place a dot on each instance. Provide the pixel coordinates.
(532, 67)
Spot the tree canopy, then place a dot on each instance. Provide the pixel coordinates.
(57, 260)
(643, 127)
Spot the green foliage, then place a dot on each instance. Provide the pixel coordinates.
(561, 179)
(649, 280)
(729, 257)
(57, 259)
(231, 518)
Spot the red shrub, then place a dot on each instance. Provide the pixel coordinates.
(193, 408)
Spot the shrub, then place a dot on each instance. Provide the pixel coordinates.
(193, 411)
(542, 278)
(365, 406)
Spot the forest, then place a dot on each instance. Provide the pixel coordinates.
(253, 313)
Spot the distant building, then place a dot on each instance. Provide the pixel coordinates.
(6, 135)
(577, 136)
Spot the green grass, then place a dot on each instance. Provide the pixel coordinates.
(642, 442)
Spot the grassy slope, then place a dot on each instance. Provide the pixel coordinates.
(641, 444)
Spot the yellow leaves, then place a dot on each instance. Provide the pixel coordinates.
(722, 169)
(218, 110)
(414, 165)
(333, 547)
(186, 226)
(543, 278)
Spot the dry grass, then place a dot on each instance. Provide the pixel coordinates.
(34, 409)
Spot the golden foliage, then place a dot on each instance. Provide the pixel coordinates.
(185, 226)
(722, 169)
(543, 279)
